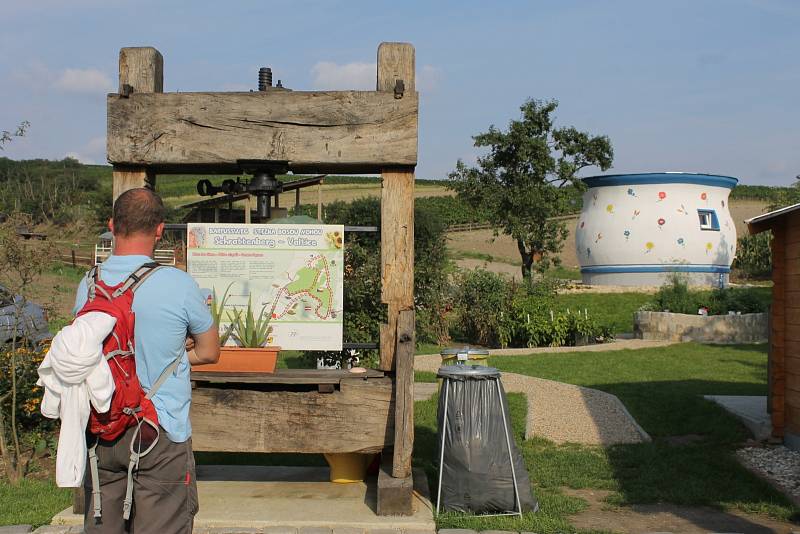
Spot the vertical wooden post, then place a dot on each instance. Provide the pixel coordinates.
(141, 70)
(319, 201)
(397, 340)
(777, 334)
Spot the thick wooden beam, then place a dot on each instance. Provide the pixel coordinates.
(348, 131)
(396, 62)
(142, 69)
(404, 396)
(357, 418)
(395, 495)
(397, 238)
(124, 179)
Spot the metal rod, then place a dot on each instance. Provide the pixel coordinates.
(364, 346)
(508, 442)
(444, 434)
(363, 229)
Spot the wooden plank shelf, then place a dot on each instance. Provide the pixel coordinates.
(285, 376)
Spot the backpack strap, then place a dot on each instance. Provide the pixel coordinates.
(91, 282)
(136, 278)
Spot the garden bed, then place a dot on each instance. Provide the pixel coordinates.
(724, 329)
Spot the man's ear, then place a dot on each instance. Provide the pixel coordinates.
(159, 231)
(111, 225)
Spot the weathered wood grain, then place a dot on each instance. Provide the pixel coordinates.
(397, 237)
(396, 62)
(348, 131)
(142, 68)
(357, 418)
(404, 395)
(125, 179)
(395, 495)
(388, 332)
(282, 376)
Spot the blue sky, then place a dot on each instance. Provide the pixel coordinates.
(698, 85)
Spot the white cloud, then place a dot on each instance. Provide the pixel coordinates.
(92, 153)
(84, 81)
(332, 76)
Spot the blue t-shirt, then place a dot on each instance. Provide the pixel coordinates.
(168, 307)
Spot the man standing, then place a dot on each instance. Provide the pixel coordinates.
(171, 316)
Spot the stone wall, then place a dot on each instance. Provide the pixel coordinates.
(746, 328)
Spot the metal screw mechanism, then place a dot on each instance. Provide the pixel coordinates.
(264, 78)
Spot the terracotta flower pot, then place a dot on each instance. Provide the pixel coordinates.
(242, 360)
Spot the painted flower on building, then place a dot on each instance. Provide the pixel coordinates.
(709, 246)
(682, 209)
(610, 209)
(627, 234)
(599, 237)
(661, 222)
(631, 192)
(649, 246)
(681, 242)
(635, 214)
(703, 196)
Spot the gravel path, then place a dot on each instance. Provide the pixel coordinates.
(565, 413)
(778, 464)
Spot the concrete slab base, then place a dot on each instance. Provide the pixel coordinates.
(258, 497)
(751, 410)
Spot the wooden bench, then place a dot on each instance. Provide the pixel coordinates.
(292, 410)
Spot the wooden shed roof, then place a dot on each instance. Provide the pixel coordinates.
(766, 221)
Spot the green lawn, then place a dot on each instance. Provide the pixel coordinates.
(662, 388)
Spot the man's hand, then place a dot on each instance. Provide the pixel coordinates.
(204, 347)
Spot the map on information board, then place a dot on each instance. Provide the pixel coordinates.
(292, 271)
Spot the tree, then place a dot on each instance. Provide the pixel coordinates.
(524, 181)
(6, 136)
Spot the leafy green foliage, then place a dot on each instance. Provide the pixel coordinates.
(57, 192)
(677, 297)
(753, 256)
(495, 312)
(251, 330)
(217, 310)
(362, 276)
(522, 183)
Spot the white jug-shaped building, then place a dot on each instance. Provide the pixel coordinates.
(636, 229)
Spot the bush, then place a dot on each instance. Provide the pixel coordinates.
(494, 312)
(676, 297)
(363, 310)
(753, 256)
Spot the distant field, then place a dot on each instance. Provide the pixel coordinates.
(180, 189)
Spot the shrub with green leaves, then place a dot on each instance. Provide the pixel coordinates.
(753, 256)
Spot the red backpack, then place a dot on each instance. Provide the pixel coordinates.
(130, 404)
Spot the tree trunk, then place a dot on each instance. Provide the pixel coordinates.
(527, 259)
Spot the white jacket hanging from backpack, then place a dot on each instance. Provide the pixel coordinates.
(74, 374)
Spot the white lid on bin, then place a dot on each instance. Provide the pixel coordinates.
(466, 349)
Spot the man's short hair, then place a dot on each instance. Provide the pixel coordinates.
(137, 211)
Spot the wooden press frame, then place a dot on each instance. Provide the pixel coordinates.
(153, 133)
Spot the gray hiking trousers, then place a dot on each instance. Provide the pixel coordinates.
(164, 490)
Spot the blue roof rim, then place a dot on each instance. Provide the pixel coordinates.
(717, 180)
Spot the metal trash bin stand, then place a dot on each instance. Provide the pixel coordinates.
(480, 468)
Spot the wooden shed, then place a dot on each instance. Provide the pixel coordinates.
(784, 336)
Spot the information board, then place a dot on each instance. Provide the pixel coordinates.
(293, 272)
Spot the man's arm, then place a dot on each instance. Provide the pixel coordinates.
(205, 348)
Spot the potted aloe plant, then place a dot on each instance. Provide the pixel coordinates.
(251, 332)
